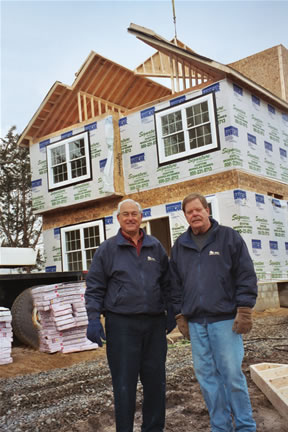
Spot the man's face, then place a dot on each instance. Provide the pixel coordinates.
(197, 216)
(129, 218)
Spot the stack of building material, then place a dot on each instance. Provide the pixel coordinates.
(6, 336)
(62, 316)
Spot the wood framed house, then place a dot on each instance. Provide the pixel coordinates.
(221, 130)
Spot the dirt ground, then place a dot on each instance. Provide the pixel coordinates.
(72, 392)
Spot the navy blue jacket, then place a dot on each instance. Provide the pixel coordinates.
(122, 282)
(210, 284)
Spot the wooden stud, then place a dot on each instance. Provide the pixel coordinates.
(79, 107)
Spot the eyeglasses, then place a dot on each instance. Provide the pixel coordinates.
(127, 214)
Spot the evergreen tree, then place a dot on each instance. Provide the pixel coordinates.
(19, 227)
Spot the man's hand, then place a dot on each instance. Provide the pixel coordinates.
(170, 320)
(95, 331)
(183, 326)
(243, 320)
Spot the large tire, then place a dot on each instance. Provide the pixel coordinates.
(22, 324)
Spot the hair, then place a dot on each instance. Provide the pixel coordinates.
(192, 197)
(128, 201)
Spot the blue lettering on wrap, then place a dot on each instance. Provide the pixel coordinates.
(122, 121)
(177, 100)
(268, 146)
(66, 134)
(50, 269)
(91, 126)
(137, 158)
(276, 203)
(231, 130)
(273, 245)
(256, 244)
(102, 163)
(108, 220)
(238, 89)
(36, 183)
(271, 108)
(43, 144)
(173, 207)
(259, 198)
(147, 112)
(239, 194)
(147, 212)
(212, 88)
(251, 138)
(255, 100)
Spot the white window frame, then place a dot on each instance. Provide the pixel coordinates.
(210, 98)
(66, 142)
(82, 249)
(212, 200)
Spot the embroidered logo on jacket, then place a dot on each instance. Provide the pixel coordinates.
(214, 252)
(150, 258)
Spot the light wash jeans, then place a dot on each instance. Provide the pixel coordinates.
(217, 354)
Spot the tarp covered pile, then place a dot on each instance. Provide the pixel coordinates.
(6, 336)
(62, 316)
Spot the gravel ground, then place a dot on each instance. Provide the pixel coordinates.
(79, 397)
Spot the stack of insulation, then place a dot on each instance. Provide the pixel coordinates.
(62, 317)
(6, 336)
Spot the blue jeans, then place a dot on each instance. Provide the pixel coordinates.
(217, 354)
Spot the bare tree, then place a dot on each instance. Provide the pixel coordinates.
(19, 227)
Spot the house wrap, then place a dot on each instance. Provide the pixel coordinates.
(117, 134)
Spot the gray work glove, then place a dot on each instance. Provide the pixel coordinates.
(182, 325)
(243, 320)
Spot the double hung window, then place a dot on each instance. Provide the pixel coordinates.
(79, 243)
(186, 129)
(68, 161)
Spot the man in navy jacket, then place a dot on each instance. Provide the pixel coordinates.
(129, 282)
(214, 289)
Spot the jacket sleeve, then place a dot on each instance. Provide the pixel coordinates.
(96, 285)
(244, 274)
(165, 285)
(176, 282)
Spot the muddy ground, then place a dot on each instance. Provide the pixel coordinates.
(72, 392)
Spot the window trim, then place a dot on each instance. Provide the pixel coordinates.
(70, 181)
(81, 227)
(212, 109)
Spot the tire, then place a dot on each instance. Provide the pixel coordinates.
(22, 324)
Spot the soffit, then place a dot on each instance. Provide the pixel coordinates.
(100, 85)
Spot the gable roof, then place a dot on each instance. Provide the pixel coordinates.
(100, 85)
(195, 66)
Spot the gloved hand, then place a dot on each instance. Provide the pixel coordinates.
(243, 320)
(182, 324)
(170, 320)
(95, 331)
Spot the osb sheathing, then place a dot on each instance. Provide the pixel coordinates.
(268, 68)
(212, 184)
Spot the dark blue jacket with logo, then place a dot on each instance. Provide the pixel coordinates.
(210, 284)
(122, 282)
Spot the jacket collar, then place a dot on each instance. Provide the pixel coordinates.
(121, 241)
(186, 239)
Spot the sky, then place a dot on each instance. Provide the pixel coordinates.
(47, 41)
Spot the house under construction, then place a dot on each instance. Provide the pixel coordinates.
(221, 130)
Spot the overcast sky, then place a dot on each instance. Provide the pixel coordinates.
(47, 41)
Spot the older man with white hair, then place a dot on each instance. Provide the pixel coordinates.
(128, 282)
